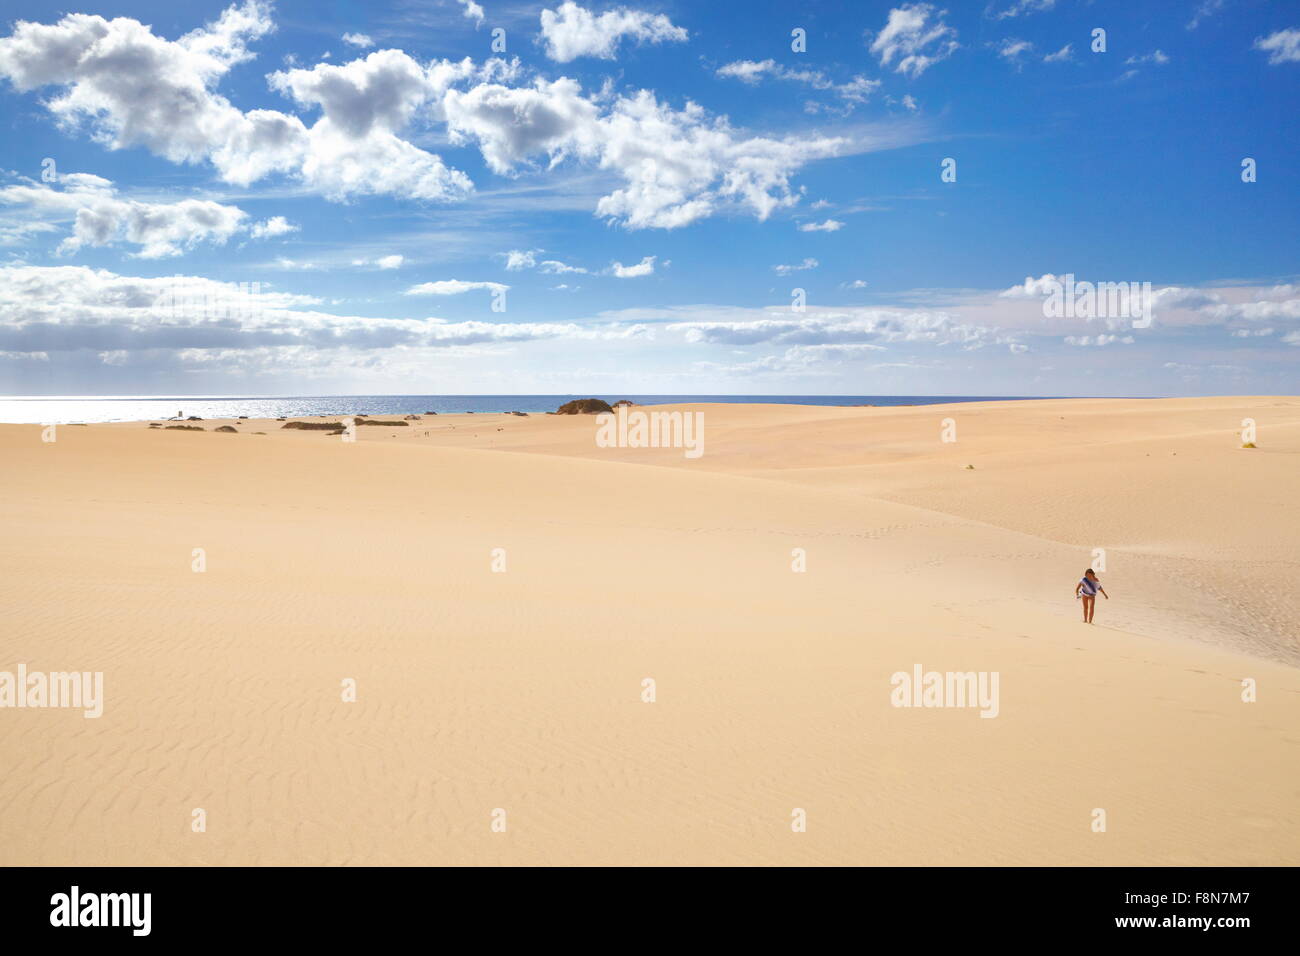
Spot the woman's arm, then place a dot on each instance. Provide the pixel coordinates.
(1103, 591)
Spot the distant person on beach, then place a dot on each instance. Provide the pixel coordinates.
(1087, 589)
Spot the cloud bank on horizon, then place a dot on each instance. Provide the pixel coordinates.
(446, 197)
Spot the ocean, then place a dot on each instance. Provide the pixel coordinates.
(66, 409)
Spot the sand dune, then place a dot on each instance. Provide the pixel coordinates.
(479, 689)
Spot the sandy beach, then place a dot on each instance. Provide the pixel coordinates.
(500, 588)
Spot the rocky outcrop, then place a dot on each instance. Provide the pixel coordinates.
(584, 406)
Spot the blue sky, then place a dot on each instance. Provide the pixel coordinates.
(299, 198)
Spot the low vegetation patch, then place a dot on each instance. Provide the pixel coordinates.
(314, 426)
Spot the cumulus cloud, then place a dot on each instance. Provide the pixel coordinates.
(643, 268)
(131, 88)
(830, 225)
(678, 165)
(472, 11)
(355, 147)
(100, 218)
(275, 226)
(358, 39)
(1282, 46)
(1064, 53)
(574, 31)
(916, 36)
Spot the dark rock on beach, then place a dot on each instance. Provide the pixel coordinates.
(584, 406)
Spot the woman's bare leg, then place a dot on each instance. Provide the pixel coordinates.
(1089, 605)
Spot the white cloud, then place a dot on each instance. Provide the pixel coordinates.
(1012, 49)
(100, 218)
(1098, 340)
(1064, 53)
(852, 93)
(679, 165)
(917, 35)
(198, 320)
(1282, 46)
(855, 284)
(1158, 57)
(453, 287)
(472, 11)
(750, 71)
(136, 89)
(383, 262)
(574, 31)
(852, 328)
(1205, 10)
(132, 88)
(354, 148)
(643, 268)
(358, 39)
(555, 267)
(830, 225)
(517, 259)
(275, 226)
(1021, 7)
(809, 263)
